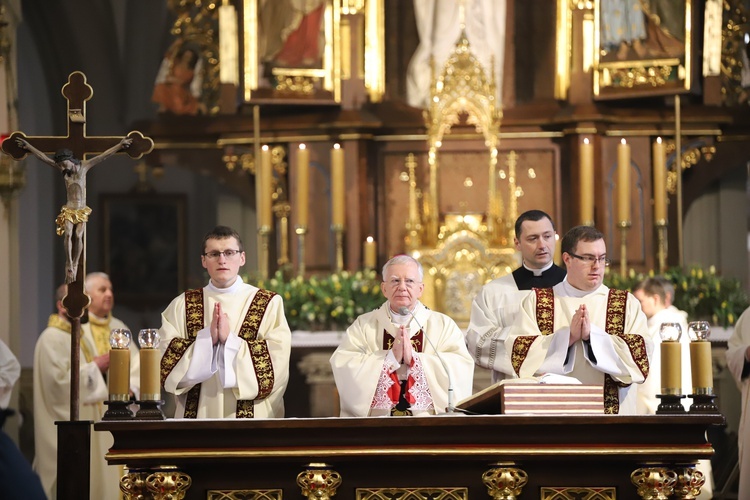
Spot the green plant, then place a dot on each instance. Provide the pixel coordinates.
(703, 294)
(330, 302)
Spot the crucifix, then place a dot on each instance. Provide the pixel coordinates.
(70, 157)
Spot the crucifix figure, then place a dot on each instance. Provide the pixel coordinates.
(74, 214)
(70, 159)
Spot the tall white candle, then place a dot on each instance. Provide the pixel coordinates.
(337, 186)
(303, 185)
(623, 181)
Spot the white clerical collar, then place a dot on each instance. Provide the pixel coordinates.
(572, 291)
(538, 272)
(230, 289)
(401, 319)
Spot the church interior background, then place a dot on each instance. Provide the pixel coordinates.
(437, 159)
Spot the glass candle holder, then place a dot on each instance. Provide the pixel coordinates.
(148, 339)
(119, 365)
(701, 368)
(671, 358)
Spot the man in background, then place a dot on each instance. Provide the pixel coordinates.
(495, 307)
(52, 365)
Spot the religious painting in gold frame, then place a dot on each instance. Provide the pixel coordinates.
(641, 48)
(291, 53)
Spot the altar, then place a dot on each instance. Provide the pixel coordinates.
(448, 457)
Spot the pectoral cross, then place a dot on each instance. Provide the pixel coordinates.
(74, 164)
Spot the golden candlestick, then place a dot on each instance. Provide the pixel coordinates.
(282, 211)
(264, 233)
(338, 233)
(624, 226)
(301, 231)
(661, 230)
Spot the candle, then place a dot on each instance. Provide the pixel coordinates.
(303, 188)
(557, 258)
(623, 181)
(337, 185)
(671, 367)
(266, 177)
(150, 380)
(119, 374)
(228, 45)
(700, 367)
(370, 253)
(587, 182)
(660, 181)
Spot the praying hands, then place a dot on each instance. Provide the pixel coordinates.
(580, 325)
(219, 325)
(402, 348)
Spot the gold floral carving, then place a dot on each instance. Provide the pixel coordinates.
(733, 43)
(638, 76)
(411, 494)
(304, 85)
(567, 493)
(505, 482)
(654, 482)
(689, 482)
(319, 482)
(168, 485)
(273, 494)
(197, 24)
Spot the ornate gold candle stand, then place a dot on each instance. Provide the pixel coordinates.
(301, 231)
(338, 233)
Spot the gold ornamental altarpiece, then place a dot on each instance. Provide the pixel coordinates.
(461, 252)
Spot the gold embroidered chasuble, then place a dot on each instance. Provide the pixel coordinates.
(541, 308)
(258, 348)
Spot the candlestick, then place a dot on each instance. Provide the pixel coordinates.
(623, 181)
(303, 182)
(557, 258)
(337, 186)
(150, 355)
(660, 181)
(671, 367)
(587, 183)
(119, 376)
(266, 183)
(370, 252)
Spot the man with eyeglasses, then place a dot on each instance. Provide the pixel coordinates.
(583, 329)
(227, 344)
(496, 305)
(402, 359)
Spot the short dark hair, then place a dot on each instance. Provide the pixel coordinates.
(65, 154)
(579, 233)
(532, 215)
(221, 233)
(651, 287)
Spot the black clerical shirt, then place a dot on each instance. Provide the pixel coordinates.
(525, 279)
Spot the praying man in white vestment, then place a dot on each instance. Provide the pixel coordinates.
(496, 306)
(228, 343)
(52, 366)
(583, 329)
(402, 359)
(738, 360)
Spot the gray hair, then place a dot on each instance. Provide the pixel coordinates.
(403, 259)
(94, 275)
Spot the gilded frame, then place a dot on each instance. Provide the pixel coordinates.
(295, 80)
(143, 246)
(657, 63)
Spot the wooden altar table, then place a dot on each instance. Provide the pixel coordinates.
(448, 457)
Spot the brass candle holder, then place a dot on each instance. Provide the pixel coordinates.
(301, 231)
(264, 233)
(661, 252)
(338, 233)
(624, 226)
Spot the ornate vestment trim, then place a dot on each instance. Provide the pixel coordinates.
(417, 341)
(545, 310)
(194, 322)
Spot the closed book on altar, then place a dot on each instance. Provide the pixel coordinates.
(536, 399)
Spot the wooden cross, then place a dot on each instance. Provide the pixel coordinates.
(76, 92)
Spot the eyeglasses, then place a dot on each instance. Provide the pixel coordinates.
(591, 260)
(214, 255)
(407, 281)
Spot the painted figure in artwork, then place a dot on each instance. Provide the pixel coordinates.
(178, 84)
(71, 223)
